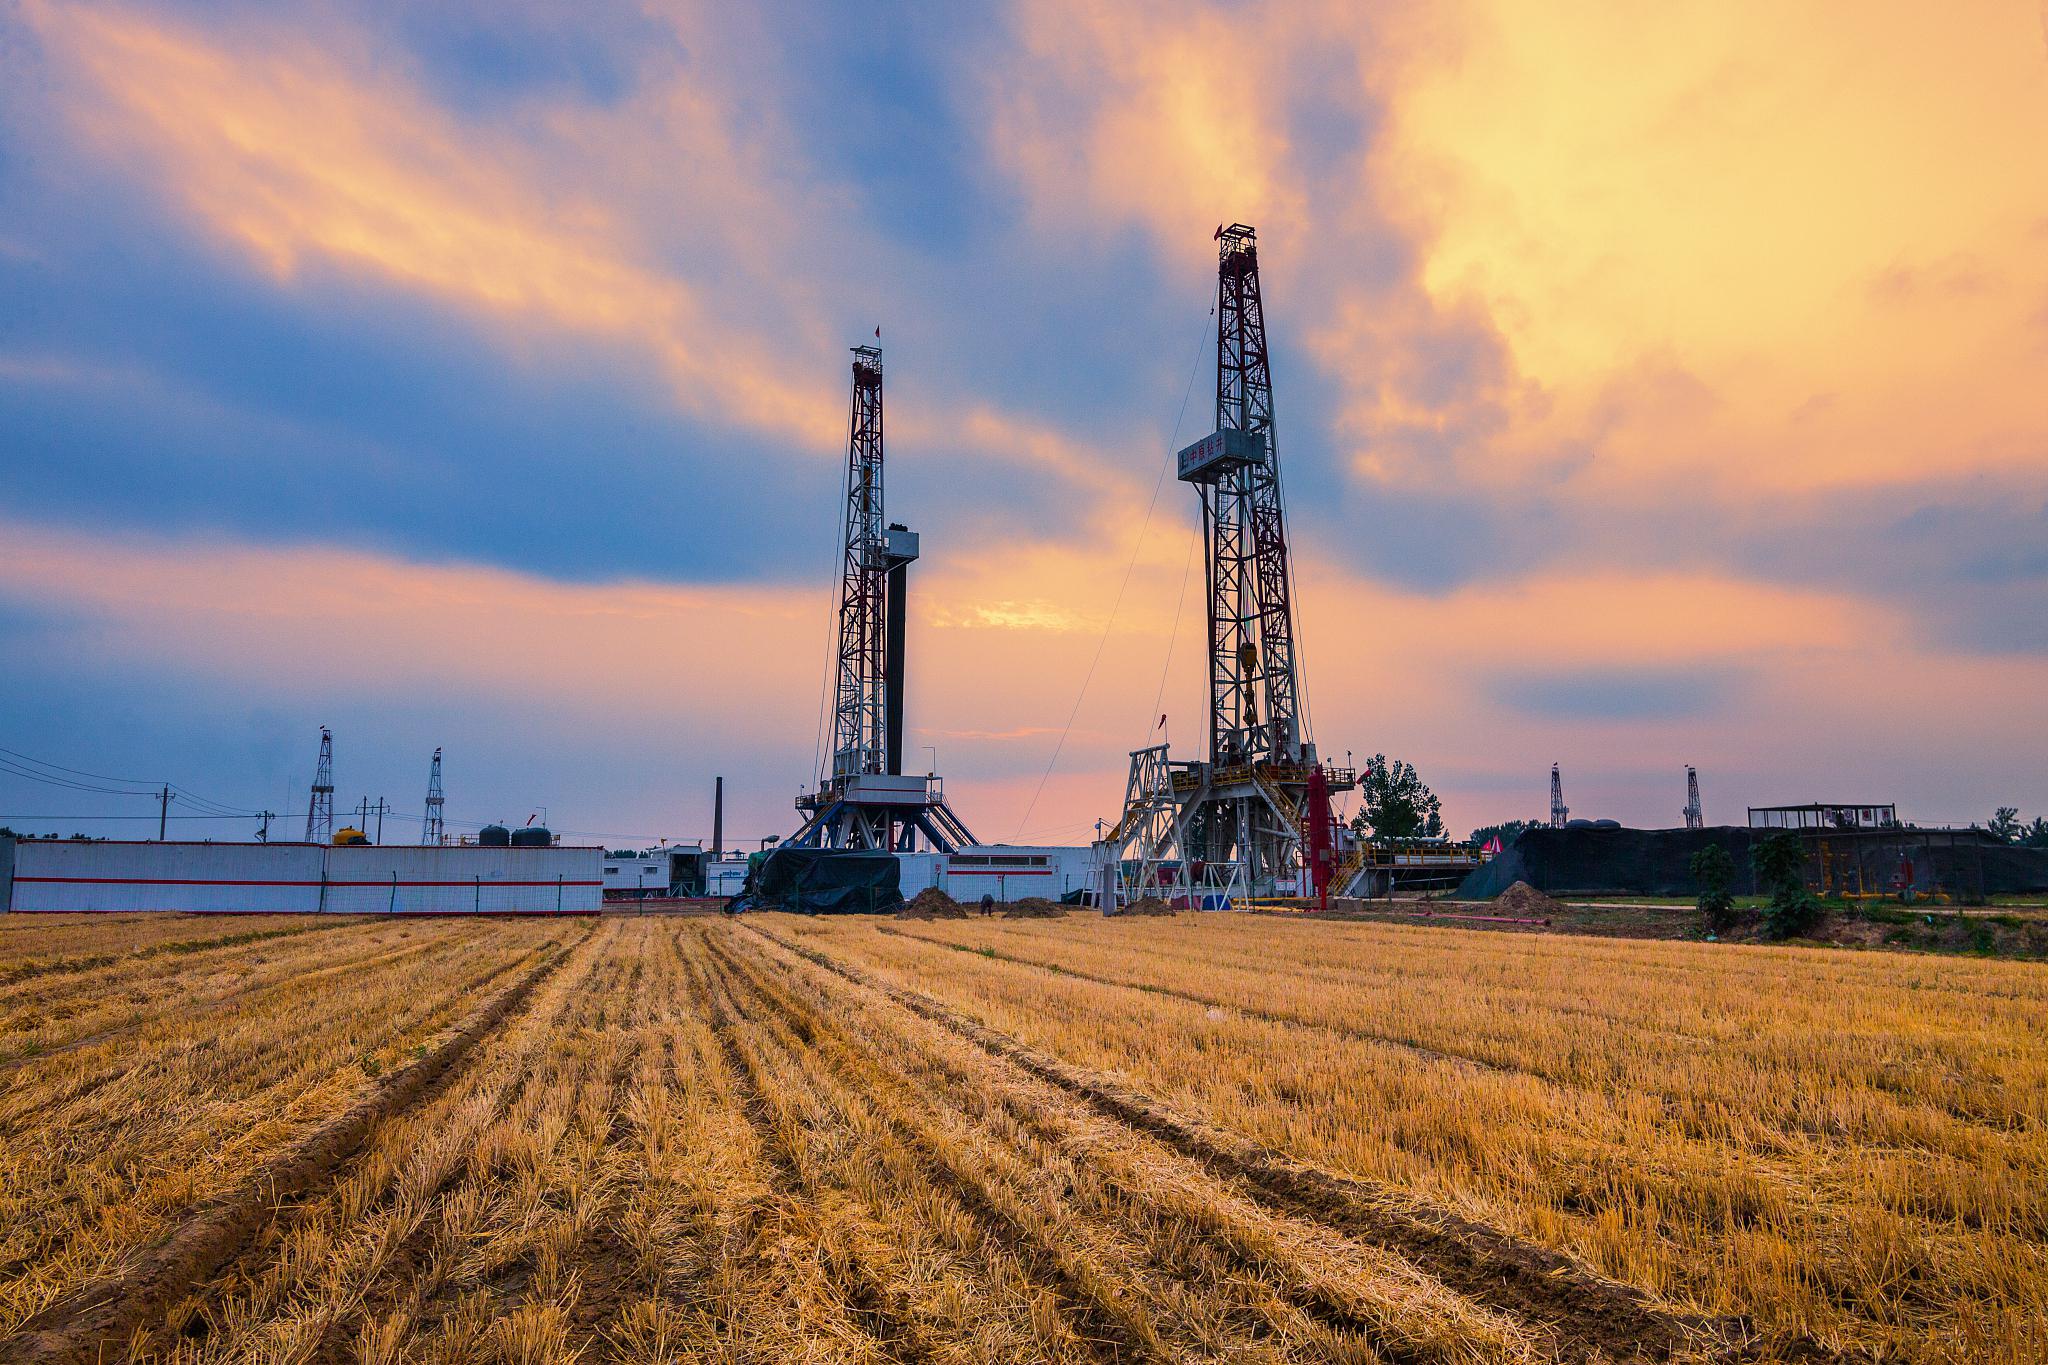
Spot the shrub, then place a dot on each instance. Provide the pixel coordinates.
(1780, 863)
(1712, 870)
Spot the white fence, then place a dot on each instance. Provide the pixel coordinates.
(52, 875)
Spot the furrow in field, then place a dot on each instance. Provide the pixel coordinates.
(353, 1262)
(83, 1324)
(1214, 1271)
(1533, 1283)
(87, 1176)
(1359, 1294)
(222, 940)
(90, 1004)
(938, 1222)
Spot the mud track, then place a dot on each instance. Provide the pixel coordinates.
(85, 1326)
(1590, 1317)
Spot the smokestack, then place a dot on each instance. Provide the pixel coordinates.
(717, 818)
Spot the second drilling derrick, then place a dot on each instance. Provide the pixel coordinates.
(1245, 808)
(864, 800)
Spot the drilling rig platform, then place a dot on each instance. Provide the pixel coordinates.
(1252, 819)
(864, 798)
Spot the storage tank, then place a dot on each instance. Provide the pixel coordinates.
(494, 836)
(533, 836)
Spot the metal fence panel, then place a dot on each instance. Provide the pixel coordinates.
(64, 874)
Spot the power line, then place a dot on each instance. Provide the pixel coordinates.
(78, 772)
(1137, 546)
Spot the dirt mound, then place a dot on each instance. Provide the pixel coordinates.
(1148, 905)
(1524, 899)
(1034, 907)
(932, 903)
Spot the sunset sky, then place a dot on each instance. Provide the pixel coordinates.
(1657, 385)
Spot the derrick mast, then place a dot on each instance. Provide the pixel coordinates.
(1254, 692)
(1248, 815)
(432, 830)
(863, 799)
(859, 727)
(320, 808)
(1559, 811)
(1695, 818)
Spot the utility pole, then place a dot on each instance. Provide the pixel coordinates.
(1694, 818)
(320, 809)
(382, 806)
(263, 834)
(1559, 812)
(163, 815)
(431, 830)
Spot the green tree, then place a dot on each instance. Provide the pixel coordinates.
(1712, 870)
(2005, 825)
(1780, 863)
(1396, 803)
(1508, 832)
(2037, 833)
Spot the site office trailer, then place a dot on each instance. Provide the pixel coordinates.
(1008, 872)
(69, 874)
(249, 878)
(371, 879)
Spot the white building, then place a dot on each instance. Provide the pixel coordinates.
(231, 878)
(1009, 872)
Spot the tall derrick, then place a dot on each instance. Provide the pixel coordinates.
(863, 800)
(1251, 615)
(320, 807)
(1695, 817)
(1242, 816)
(432, 829)
(1559, 812)
(859, 727)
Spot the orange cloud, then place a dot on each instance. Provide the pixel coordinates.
(1798, 249)
(284, 147)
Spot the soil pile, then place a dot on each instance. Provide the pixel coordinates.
(1525, 900)
(932, 903)
(1034, 907)
(1147, 905)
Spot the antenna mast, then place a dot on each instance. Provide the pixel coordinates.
(320, 809)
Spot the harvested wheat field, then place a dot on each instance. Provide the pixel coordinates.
(874, 1139)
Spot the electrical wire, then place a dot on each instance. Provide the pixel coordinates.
(76, 772)
(1117, 603)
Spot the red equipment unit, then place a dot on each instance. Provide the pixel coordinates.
(1322, 831)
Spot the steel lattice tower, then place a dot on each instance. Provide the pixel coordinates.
(431, 829)
(320, 808)
(1251, 614)
(863, 799)
(858, 717)
(1559, 812)
(1694, 817)
(1243, 815)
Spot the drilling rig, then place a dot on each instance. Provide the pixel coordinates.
(1695, 818)
(864, 799)
(1239, 823)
